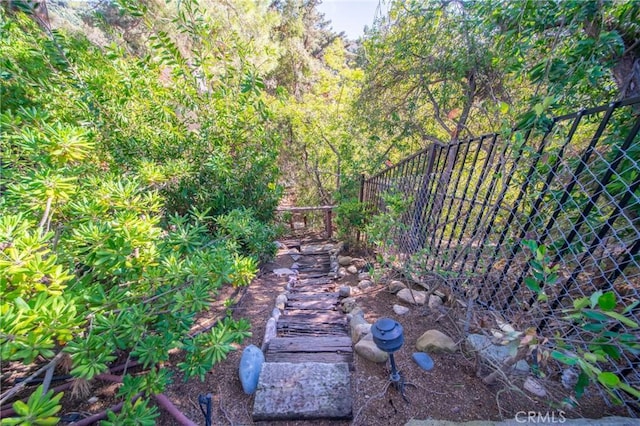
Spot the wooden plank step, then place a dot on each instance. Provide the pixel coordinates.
(303, 296)
(329, 304)
(315, 269)
(310, 275)
(306, 328)
(293, 332)
(301, 357)
(310, 344)
(314, 281)
(314, 316)
(318, 289)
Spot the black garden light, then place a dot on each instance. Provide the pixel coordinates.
(388, 337)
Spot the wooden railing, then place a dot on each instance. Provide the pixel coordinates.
(328, 216)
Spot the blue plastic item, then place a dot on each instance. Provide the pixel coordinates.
(423, 360)
(250, 366)
(387, 334)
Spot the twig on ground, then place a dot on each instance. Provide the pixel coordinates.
(226, 415)
(373, 398)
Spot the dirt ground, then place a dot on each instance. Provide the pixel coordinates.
(451, 391)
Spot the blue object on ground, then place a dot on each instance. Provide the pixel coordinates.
(250, 366)
(423, 360)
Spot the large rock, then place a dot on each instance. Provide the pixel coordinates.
(368, 350)
(344, 260)
(304, 391)
(494, 354)
(435, 341)
(414, 297)
(395, 286)
(250, 367)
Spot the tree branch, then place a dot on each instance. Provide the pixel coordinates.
(18, 387)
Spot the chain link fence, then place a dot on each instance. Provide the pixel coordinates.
(529, 224)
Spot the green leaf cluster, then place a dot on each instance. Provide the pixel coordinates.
(129, 196)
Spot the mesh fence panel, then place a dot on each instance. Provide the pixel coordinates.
(477, 206)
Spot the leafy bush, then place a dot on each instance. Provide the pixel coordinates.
(110, 234)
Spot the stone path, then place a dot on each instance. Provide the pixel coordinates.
(307, 367)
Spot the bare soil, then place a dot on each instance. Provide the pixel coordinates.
(451, 391)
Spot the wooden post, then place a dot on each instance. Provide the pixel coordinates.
(328, 227)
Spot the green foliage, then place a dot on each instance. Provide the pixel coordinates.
(612, 334)
(139, 413)
(40, 409)
(254, 237)
(385, 226)
(542, 273)
(599, 316)
(209, 348)
(351, 218)
(128, 199)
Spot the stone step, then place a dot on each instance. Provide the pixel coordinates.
(303, 391)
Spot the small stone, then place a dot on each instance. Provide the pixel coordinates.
(270, 331)
(357, 311)
(360, 331)
(356, 334)
(348, 304)
(368, 350)
(400, 310)
(281, 300)
(342, 272)
(535, 387)
(364, 276)
(93, 400)
(423, 360)
(275, 314)
(344, 260)
(344, 291)
(352, 270)
(395, 286)
(435, 341)
(365, 284)
(414, 297)
(434, 302)
(455, 410)
(282, 272)
(569, 378)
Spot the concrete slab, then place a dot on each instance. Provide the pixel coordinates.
(542, 418)
(304, 391)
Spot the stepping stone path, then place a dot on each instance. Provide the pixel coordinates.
(306, 374)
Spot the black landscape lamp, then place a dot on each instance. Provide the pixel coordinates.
(388, 337)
